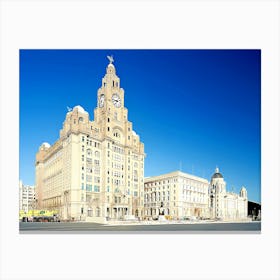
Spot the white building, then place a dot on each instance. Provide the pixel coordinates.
(181, 195)
(226, 205)
(26, 197)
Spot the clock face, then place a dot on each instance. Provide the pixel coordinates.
(116, 100)
(101, 100)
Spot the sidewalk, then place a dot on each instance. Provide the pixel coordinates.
(170, 222)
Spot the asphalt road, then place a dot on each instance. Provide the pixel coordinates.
(79, 227)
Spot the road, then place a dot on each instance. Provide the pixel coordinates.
(79, 227)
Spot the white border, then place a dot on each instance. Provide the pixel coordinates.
(155, 24)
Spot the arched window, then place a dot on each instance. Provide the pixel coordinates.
(89, 152)
(97, 154)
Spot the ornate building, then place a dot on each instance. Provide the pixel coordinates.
(226, 205)
(95, 170)
(180, 194)
(183, 195)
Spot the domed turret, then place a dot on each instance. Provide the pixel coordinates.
(217, 181)
(217, 174)
(80, 109)
(44, 146)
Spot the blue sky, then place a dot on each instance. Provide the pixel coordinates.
(193, 109)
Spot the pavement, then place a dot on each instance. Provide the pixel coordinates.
(142, 227)
(168, 222)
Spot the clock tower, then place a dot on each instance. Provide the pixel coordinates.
(95, 170)
(123, 152)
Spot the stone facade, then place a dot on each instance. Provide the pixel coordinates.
(182, 195)
(226, 205)
(95, 170)
(187, 196)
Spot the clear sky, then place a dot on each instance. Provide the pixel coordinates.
(193, 109)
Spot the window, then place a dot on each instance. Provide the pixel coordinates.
(97, 212)
(96, 188)
(108, 119)
(83, 138)
(89, 212)
(89, 153)
(108, 128)
(81, 119)
(89, 169)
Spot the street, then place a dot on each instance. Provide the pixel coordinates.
(80, 227)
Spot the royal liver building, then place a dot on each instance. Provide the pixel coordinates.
(95, 170)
